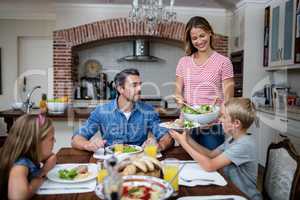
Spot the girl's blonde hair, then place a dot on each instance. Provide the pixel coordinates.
(196, 22)
(241, 109)
(23, 140)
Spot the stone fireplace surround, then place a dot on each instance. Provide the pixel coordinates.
(66, 41)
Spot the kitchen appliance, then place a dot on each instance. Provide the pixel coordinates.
(141, 52)
(92, 87)
(280, 94)
(268, 92)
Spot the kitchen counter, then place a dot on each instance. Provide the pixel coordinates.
(293, 112)
(76, 114)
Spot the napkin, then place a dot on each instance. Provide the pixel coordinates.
(213, 197)
(193, 171)
(51, 187)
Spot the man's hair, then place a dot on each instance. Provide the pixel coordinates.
(241, 109)
(120, 78)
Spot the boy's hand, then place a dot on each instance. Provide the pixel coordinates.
(48, 165)
(179, 137)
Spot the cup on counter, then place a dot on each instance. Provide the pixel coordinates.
(170, 168)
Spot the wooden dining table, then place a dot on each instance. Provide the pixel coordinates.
(70, 155)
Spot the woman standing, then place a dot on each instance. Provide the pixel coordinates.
(202, 75)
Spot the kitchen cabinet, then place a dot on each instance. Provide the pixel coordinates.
(282, 32)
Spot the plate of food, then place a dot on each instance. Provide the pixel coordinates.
(202, 114)
(180, 125)
(73, 173)
(140, 165)
(123, 149)
(140, 187)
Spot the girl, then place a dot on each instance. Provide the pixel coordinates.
(202, 75)
(29, 143)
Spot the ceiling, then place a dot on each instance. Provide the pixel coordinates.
(227, 4)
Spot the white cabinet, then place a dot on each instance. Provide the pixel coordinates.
(274, 128)
(282, 32)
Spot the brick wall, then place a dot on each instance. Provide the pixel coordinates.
(64, 41)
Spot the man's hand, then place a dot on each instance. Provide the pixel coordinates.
(165, 142)
(94, 144)
(150, 140)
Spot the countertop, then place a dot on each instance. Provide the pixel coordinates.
(293, 112)
(83, 113)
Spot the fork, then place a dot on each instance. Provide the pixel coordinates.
(198, 179)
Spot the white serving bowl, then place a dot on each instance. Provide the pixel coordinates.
(56, 107)
(203, 118)
(17, 105)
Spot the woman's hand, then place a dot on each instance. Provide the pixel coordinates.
(179, 137)
(179, 100)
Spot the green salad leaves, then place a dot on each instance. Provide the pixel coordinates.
(202, 109)
(67, 174)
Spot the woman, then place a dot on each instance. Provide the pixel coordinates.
(202, 75)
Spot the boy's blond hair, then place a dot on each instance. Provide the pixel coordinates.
(241, 109)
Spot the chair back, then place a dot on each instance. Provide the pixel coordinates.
(281, 177)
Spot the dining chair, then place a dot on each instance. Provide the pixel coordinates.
(282, 172)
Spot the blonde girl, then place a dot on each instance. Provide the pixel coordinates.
(26, 157)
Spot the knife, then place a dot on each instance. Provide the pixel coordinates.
(66, 188)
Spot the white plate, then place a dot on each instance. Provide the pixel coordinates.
(139, 149)
(53, 174)
(174, 126)
(163, 186)
(213, 197)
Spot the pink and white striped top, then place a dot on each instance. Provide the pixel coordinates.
(202, 83)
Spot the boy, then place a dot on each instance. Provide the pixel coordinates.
(237, 155)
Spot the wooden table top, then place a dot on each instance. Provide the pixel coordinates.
(69, 155)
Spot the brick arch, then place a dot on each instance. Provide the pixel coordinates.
(64, 41)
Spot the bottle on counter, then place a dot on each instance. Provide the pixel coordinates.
(113, 182)
(43, 104)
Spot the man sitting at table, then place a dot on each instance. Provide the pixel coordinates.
(123, 120)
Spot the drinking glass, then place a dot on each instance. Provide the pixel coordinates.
(118, 146)
(102, 172)
(151, 150)
(171, 172)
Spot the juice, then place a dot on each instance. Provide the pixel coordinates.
(101, 175)
(170, 172)
(151, 150)
(118, 148)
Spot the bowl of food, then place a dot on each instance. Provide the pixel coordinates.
(56, 106)
(202, 114)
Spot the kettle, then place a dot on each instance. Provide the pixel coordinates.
(112, 90)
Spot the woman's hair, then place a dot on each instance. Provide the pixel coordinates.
(196, 22)
(23, 140)
(241, 109)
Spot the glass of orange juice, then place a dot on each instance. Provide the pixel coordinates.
(171, 172)
(102, 172)
(151, 150)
